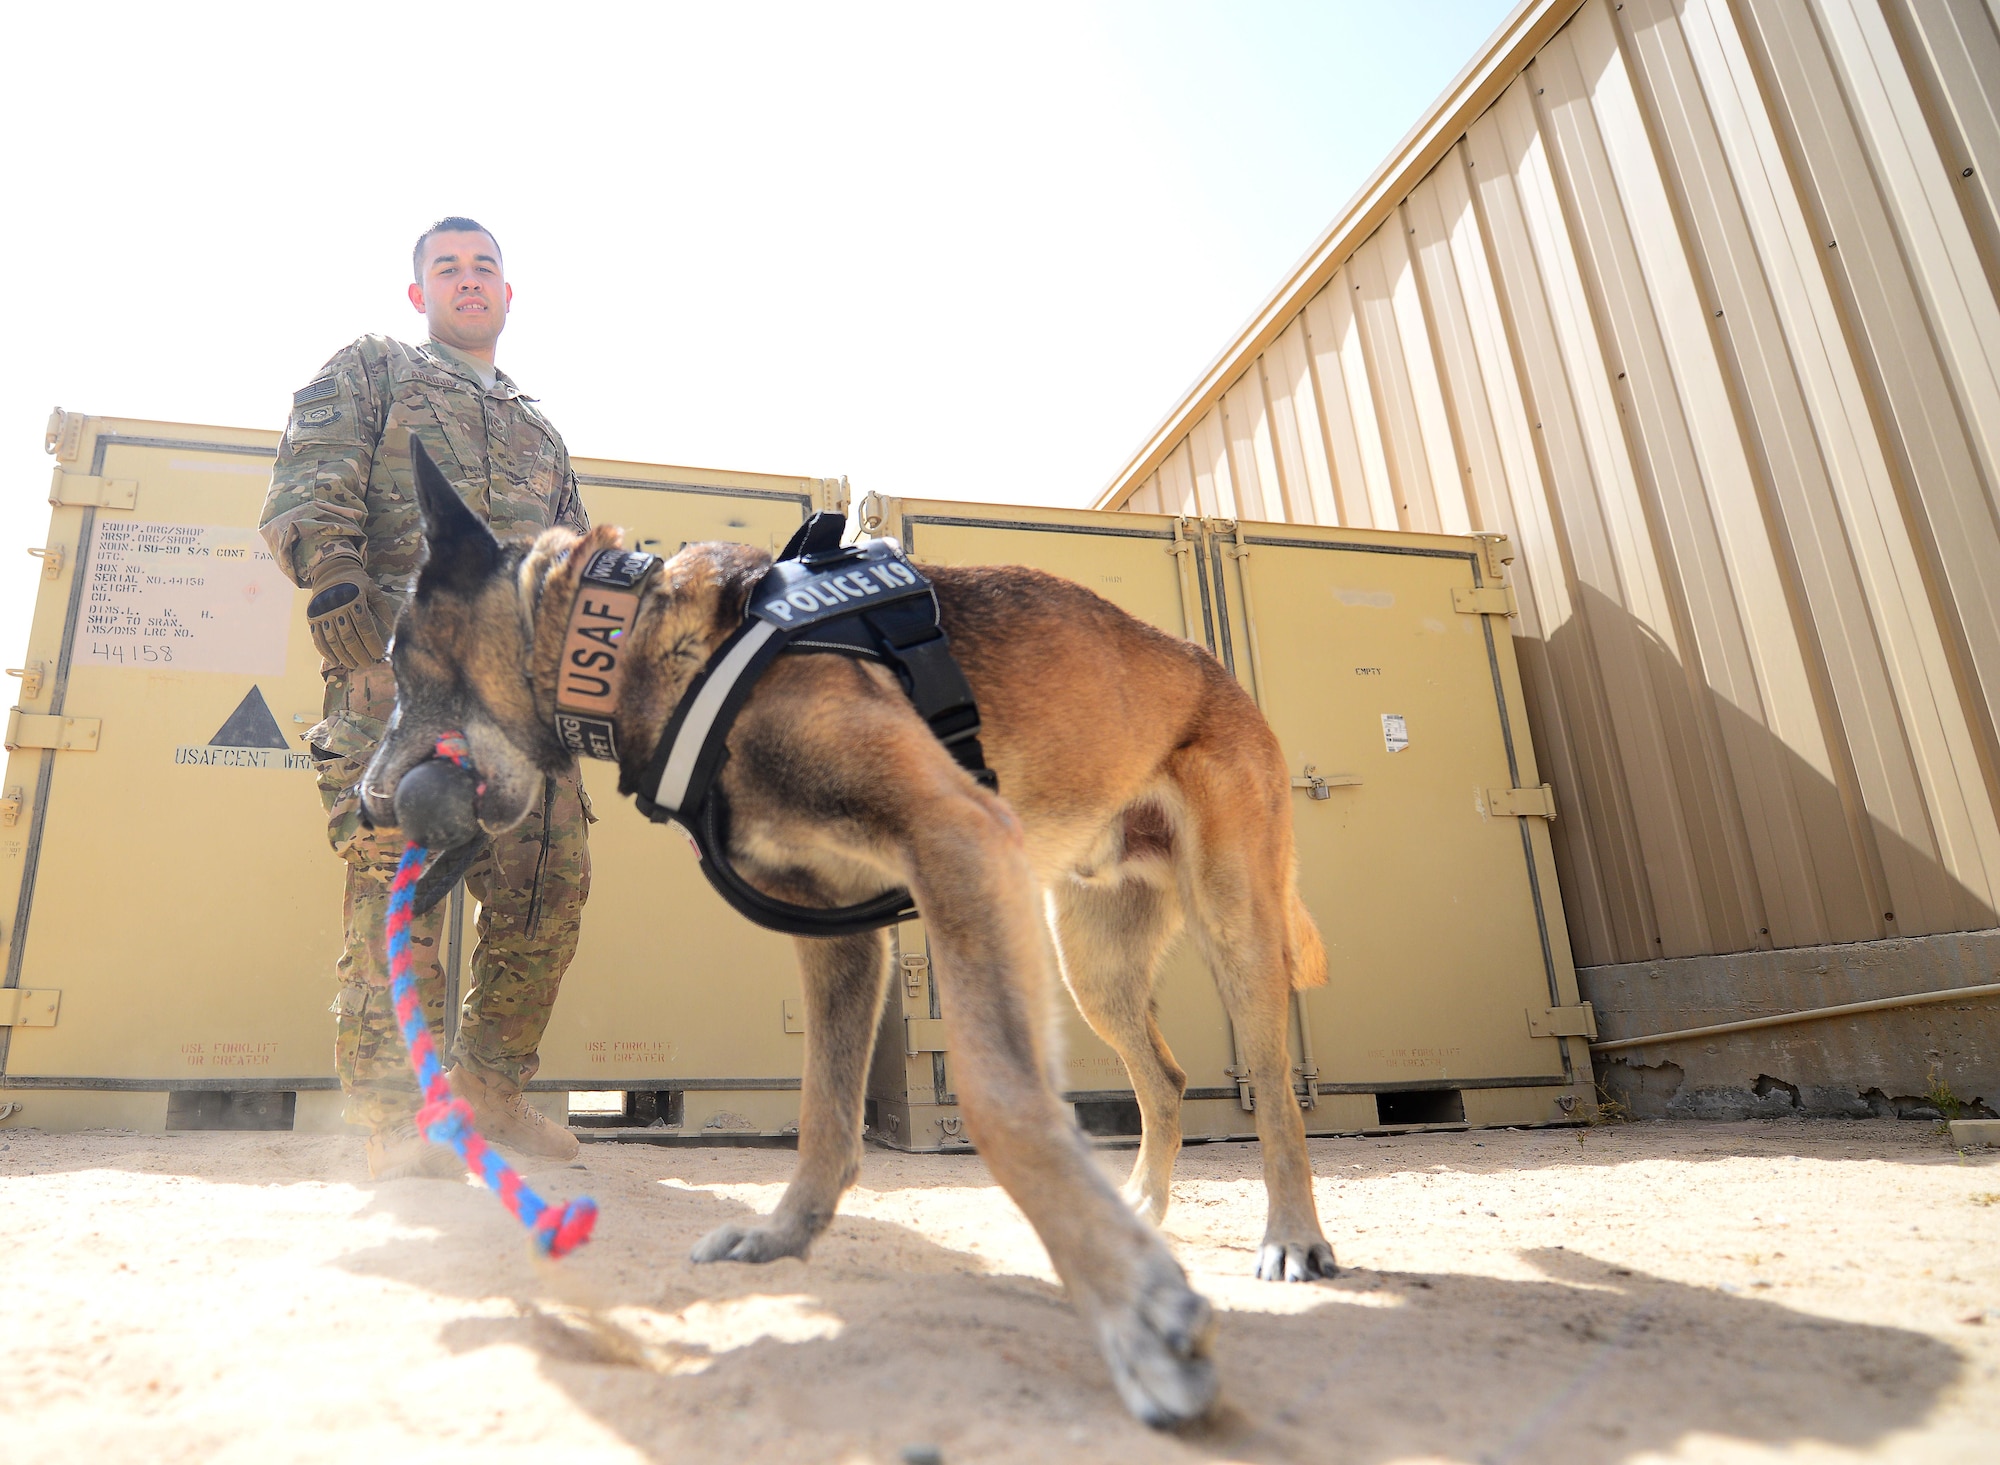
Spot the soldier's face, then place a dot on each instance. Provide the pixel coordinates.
(464, 293)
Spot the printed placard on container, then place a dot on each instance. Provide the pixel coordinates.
(183, 597)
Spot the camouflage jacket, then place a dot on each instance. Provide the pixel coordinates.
(342, 483)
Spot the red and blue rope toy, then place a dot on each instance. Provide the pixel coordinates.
(445, 1118)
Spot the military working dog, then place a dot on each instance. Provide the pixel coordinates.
(1140, 790)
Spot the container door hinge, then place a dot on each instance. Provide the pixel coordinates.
(915, 967)
(924, 1035)
(10, 806)
(1562, 1022)
(1522, 803)
(1487, 600)
(88, 491)
(29, 1007)
(1321, 785)
(31, 679)
(793, 1009)
(46, 730)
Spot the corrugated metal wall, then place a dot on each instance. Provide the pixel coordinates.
(1696, 301)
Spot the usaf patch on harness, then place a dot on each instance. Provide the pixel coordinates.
(319, 391)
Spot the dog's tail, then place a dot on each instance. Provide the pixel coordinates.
(1305, 951)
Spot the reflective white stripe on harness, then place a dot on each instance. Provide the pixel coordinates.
(701, 716)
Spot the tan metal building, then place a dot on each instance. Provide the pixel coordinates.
(1696, 301)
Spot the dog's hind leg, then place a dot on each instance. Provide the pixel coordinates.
(844, 980)
(972, 881)
(1110, 936)
(1239, 919)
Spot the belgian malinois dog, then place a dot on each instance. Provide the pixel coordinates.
(1140, 790)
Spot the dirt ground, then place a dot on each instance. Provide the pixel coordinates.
(1758, 1291)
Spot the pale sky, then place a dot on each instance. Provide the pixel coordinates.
(945, 250)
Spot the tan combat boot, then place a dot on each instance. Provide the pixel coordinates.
(399, 1152)
(505, 1117)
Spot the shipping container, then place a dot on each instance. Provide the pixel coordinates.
(1422, 827)
(163, 848)
(175, 907)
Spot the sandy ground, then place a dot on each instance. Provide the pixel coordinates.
(1781, 1290)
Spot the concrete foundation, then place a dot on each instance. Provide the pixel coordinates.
(1937, 1061)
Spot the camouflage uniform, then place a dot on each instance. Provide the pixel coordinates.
(343, 485)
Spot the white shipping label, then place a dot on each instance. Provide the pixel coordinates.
(1395, 732)
(183, 597)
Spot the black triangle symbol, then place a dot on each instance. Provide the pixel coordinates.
(249, 726)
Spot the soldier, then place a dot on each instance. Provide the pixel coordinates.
(342, 520)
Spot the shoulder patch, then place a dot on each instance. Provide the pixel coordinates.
(325, 387)
(317, 417)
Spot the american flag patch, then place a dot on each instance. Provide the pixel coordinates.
(320, 390)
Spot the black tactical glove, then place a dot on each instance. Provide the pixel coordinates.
(347, 613)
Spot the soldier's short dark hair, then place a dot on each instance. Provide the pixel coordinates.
(450, 224)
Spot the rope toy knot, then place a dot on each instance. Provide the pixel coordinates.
(558, 1233)
(447, 1123)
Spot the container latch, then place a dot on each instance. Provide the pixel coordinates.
(1321, 785)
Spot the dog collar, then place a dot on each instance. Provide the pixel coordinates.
(591, 673)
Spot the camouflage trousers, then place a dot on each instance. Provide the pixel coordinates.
(530, 883)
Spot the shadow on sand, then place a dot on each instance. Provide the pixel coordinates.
(885, 1338)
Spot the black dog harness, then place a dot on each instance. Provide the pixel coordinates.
(864, 600)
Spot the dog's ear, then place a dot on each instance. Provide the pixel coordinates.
(461, 552)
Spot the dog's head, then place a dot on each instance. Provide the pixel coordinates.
(461, 651)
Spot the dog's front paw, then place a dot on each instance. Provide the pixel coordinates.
(736, 1243)
(1157, 1346)
(1295, 1261)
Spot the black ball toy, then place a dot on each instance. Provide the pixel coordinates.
(435, 806)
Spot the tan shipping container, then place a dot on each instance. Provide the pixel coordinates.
(1422, 827)
(1695, 300)
(175, 907)
(162, 845)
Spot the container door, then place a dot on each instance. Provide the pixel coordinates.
(1384, 664)
(166, 860)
